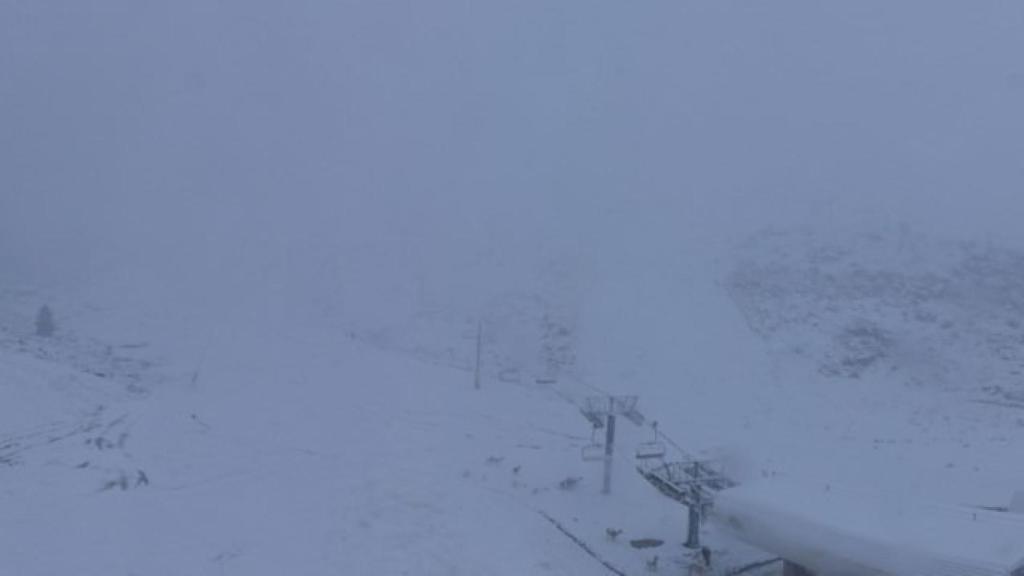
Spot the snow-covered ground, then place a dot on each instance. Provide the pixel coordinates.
(836, 530)
(139, 446)
(301, 453)
(271, 234)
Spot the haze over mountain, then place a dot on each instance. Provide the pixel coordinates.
(590, 182)
(272, 141)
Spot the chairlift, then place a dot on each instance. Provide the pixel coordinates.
(596, 420)
(634, 416)
(594, 451)
(651, 450)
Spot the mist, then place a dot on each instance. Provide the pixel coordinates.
(297, 148)
(328, 284)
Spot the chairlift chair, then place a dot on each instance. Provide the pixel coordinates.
(594, 451)
(651, 450)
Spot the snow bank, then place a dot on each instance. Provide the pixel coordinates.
(838, 531)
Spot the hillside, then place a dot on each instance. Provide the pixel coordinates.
(201, 449)
(297, 453)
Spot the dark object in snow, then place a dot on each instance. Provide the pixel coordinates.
(516, 469)
(494, 460)
(99, 442)
(141, 479)
(120, 482)
(45, 326)
(644, 543)
(198, 420)
(613, 533)
(652, 564)
(570, 482)
(705, 554)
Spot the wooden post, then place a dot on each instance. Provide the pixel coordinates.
(609, 449)
(693, 525)
(479, 345)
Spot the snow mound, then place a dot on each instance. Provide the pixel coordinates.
(835, 530)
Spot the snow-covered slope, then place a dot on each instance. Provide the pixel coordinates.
(150, 445)
(823, 360)
(301, 453)
(839, 531)
(936, 314)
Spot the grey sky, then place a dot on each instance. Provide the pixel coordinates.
(198, 133)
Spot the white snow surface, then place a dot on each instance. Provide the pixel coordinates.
(836, 530)
(310, 449)
(299, 453)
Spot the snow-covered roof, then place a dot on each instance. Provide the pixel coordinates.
(838, 531)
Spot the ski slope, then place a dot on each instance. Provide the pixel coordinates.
(146, 441)
(303, 454)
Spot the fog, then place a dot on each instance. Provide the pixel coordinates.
(302, 149)
(338, 277)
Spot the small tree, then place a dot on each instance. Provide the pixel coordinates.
(45, 326)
